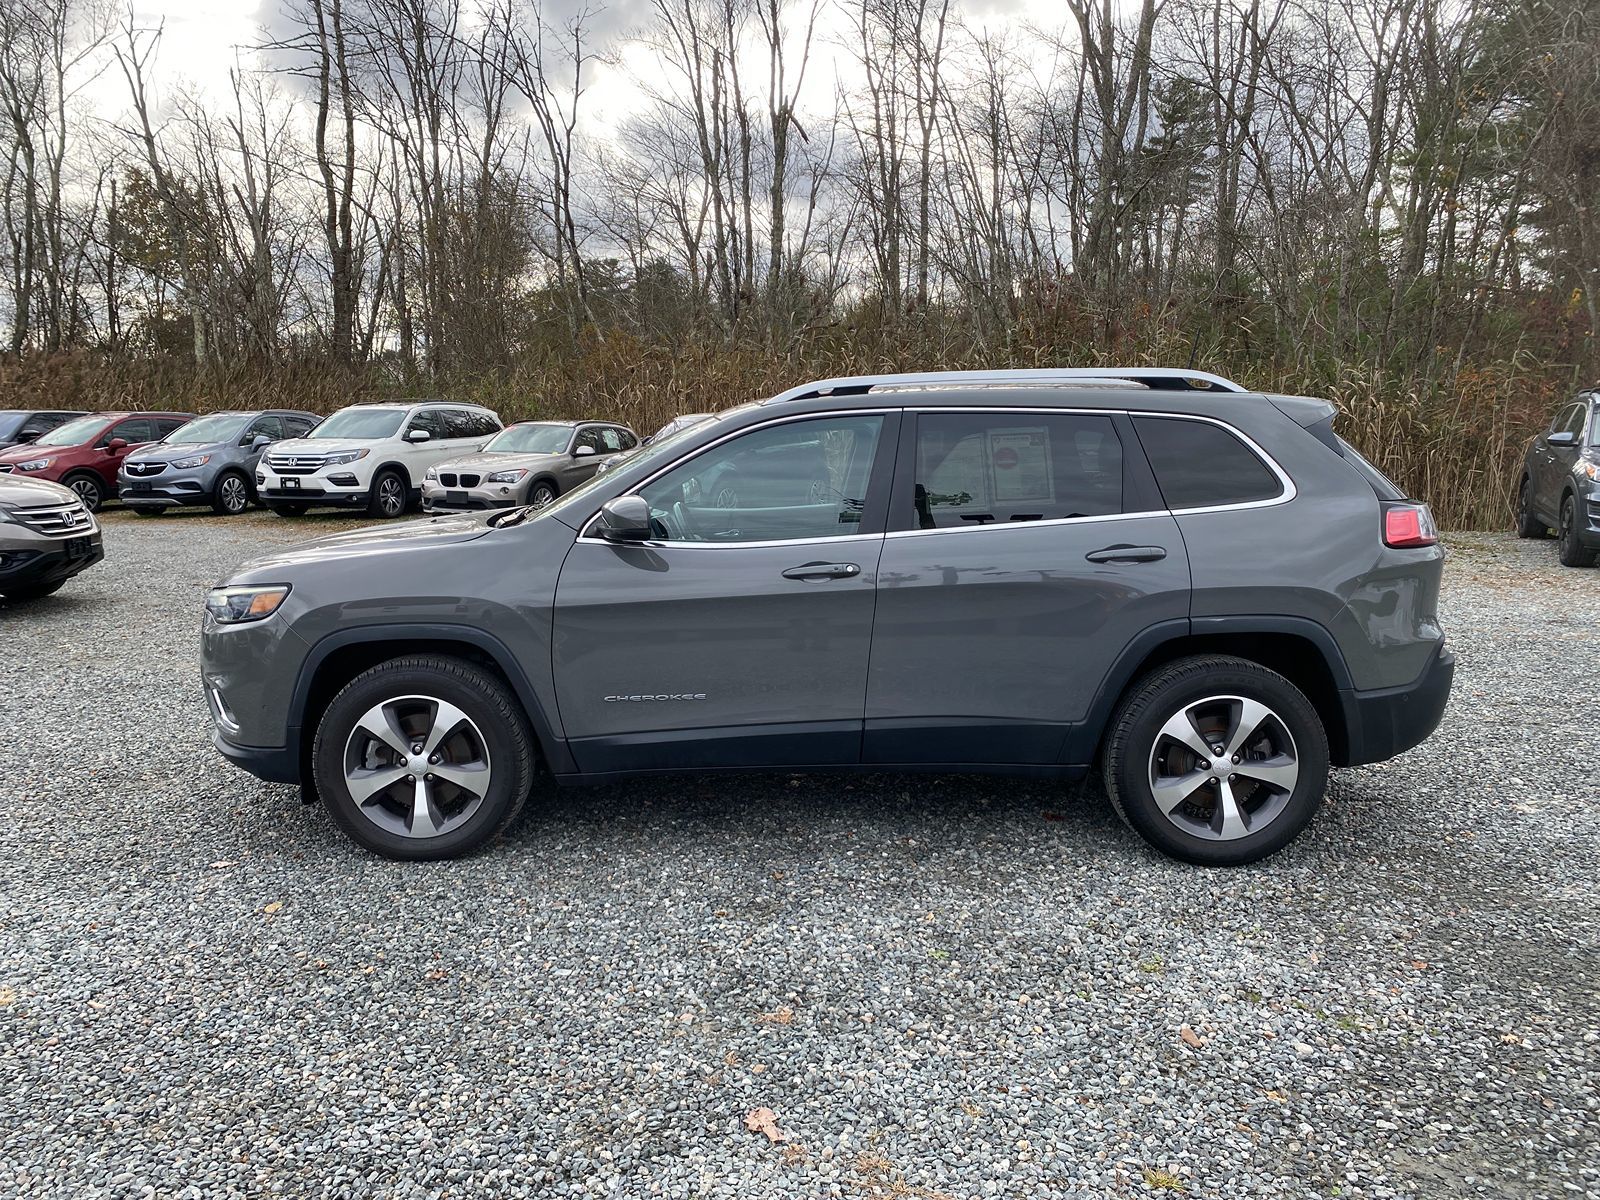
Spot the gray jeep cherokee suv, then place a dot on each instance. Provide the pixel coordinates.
(1202, 592)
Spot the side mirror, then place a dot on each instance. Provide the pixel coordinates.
(583, 452)
(418, 435)
(1565, 438)
(116, 445)
(260, 442)
(625, 519)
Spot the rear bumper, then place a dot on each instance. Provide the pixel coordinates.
(275, 764)
(1383, 723)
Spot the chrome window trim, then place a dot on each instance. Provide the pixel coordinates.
(792, 418)
(1289, 490)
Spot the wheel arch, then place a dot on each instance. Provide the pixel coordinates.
(1299, 649)
(341, 656)
(391, 465)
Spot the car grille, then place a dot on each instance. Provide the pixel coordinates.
(451, 479)
(144, 468)
(7, 468)
(295, 464)
(55, 520)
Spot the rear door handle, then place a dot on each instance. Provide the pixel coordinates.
(823, 570)
(1127, 554)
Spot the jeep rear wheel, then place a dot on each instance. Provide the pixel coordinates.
(424, 757)
(1216, 760)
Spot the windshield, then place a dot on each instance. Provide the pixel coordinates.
(73, 433)
(213, 427)
(363, 423)
(1594, 425)
(10, 421)
(531, 439)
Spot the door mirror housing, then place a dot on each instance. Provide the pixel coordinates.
(260, 442)
(583, 452)
(418, 435)
(116, 445)
(1564, 438)
(625, 519)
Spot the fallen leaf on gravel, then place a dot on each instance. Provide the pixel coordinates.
(1190, 1036)
(782, 1015)
(275, 906)
(764, 1120)
(435, 975)
(1509, 1039)
(221, 863)
(8, 995)
(793, 1153)
(1418, 964)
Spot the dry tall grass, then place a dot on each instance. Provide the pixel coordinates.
(1457, 445)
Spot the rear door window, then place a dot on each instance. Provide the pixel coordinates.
(135, 431)
(1202, 465)
(976, 469)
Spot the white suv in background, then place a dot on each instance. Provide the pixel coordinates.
(371, 456)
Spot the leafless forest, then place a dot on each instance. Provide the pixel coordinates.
(1393, 203)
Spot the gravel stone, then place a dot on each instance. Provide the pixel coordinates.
(958, 987)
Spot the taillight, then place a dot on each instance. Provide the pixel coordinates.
(1407, 525)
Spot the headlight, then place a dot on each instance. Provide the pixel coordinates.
(35, 464)
(235, 605)
(1589, 470)
(510, 476)
(183, 464)
(341, 457)
(431, 473)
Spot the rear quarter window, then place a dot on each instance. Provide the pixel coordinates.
(1201, 465)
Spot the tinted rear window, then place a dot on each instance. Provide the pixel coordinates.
(1200, 465)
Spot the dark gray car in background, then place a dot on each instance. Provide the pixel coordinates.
(1560, 484)
(211, 460)
(20, 426)
(1202, 593)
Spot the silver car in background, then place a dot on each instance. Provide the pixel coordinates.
(211, 460)
(531, 462)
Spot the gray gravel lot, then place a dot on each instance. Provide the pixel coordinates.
(940, 986)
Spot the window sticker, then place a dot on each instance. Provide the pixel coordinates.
(1019, 464)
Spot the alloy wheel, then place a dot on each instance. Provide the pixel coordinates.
(235, 497)
(391, 497)
(541, 495)
(1223, 767)
(88, 491)
(416, 766)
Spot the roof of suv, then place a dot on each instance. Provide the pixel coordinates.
(1166, 379)
(410, 404)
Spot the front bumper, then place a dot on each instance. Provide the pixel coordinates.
(38, 561)
(169, 489)
(319, 488)
(1588, 517)
(438, 498)
(275, 764)
(1382, 723)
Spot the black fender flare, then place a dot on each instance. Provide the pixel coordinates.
(1083, 742)
(554, 747)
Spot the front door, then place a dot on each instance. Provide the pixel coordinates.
(739, 636)
(1026, 551)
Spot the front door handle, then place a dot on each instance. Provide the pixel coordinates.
(823, 570)
(1127, 554)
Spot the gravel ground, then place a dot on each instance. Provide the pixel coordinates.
(941, 987)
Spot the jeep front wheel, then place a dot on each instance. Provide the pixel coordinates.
(424, 757)
(1216, 760)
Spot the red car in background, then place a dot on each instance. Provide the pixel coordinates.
(84, 453)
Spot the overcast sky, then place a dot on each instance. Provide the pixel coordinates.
(202, 39)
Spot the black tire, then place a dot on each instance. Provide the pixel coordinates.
(230, 495)
(89, 488)
(543, 491)
(1134, 740)
(292, 508)
(1528, 525)
(387, 499)
(1569, 549)
(22, 593)
(507, 741)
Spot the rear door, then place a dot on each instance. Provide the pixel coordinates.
(738, 636)
(1551, 463)
(1025, 551)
